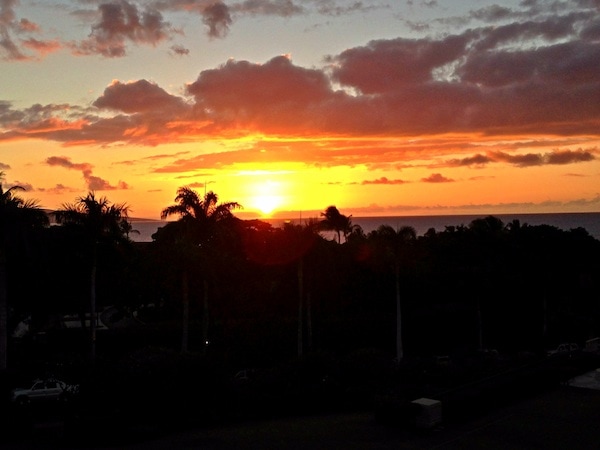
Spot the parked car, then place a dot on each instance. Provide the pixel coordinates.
(592, 345)
(44, 390)
(564, 349)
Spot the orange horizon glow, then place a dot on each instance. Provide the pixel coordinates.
(490, 116)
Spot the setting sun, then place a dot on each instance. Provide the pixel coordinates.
(394, 120)
(266, 204)
(267, 198)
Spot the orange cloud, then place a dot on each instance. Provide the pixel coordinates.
(138, 97)
(93, 182)
(42, 47)
(383, 180)
(557, 157)
(436, 178)
(380, 105)
(58, 189)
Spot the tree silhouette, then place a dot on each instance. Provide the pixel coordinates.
(18, 217)
(487, 244)
(193, 237)
(98, 222)
(395, 246)
(337, 222)
(300, 240)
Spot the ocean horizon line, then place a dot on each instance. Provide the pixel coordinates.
(590, 221)
(316, 214)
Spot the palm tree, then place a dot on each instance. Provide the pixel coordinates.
(488, 234)
(396, 244)
(299, 243)
(100, 222)
(17, 218)
(336, 221)
(194, 233)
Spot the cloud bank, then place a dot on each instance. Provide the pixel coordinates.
(524, 76)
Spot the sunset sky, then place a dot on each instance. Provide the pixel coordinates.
(379, 107)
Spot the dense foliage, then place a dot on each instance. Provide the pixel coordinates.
(510, 287)
(212, 294)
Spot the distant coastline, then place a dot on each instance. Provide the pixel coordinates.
(565, 221)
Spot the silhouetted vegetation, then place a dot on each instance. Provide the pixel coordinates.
(317, 323)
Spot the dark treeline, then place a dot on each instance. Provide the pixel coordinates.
(211, 289)
(260, 294)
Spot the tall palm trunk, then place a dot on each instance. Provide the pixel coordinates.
(399, 343)
(544, 318)
(309, 337)
(185, 314)
(300, 308)
(3, 312)
(93, 305)
(479, 325)
(205, 318)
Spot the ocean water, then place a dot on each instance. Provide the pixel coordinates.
(564, 221)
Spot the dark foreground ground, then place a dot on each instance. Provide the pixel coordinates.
(545, 403)
(566, 417)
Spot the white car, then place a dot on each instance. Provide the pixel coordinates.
(44, 390)
(564, 349)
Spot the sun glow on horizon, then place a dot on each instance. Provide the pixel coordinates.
(267, 197)
(266, 204)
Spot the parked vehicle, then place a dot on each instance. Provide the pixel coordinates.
(44, 390)
(567, 348)
(592, 345)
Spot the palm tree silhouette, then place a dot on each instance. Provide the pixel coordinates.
(17, 218)
(99, 222)
(396, 244)
(300, 241)
(337, 222)
(193, 237)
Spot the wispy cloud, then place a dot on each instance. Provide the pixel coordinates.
(59, 189)
(556, 157)
(12, 45)
(93, 183)
(383, 180)
(119, 23)
(538, 159)
(436, 178)
(179, 50)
